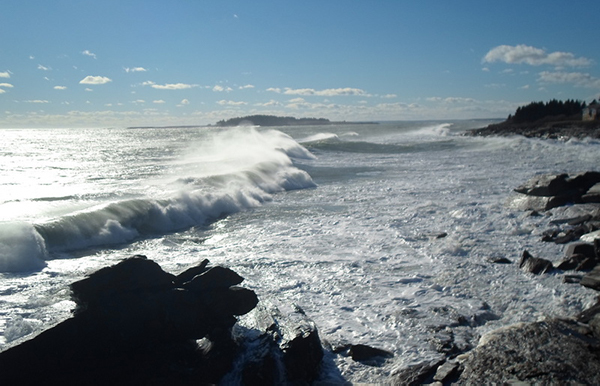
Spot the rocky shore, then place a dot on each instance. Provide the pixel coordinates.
(553, 351)
(542, 129)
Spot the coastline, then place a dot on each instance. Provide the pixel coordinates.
(542, 129)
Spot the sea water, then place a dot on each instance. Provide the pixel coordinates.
(381, 233)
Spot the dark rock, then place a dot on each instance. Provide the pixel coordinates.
(302, 355)
(417, 374)
(570, 262)
(550, 352)
(584, 249)
(572, 279)
(134, 325)
(446, 372)
(580, 220)
(587, 315)
(189, 274)
(499, 260)
(216, 277)
(545, 185)
(135, 274)
(592, 279)
(361, 352)
(535, 265)
(587, 264)
(282, 349)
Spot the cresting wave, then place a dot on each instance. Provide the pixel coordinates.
(230, 172)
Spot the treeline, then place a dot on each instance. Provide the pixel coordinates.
(553, 110)
(271, 120)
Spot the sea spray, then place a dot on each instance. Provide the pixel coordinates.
(21, 248)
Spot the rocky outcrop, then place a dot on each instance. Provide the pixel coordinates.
(137, 324)
(550, 191)
(548, 352)
(535, 265)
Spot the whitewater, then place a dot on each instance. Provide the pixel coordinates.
(383, 234)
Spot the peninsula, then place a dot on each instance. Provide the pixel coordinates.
(553, 119)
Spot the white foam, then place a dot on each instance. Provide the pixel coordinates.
(21, 248)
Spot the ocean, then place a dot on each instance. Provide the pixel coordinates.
(381, 233)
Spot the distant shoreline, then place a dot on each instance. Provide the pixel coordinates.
(542, 129)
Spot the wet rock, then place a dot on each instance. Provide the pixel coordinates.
(572, 279)
(281, 349)
(535, 265)
(417, 374)
(361, 352)
(499, 260)
(549, 352)
(584, 249)
(592, 279)
(545, 185)
(446, 372)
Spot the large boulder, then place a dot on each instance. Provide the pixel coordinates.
(535, 265)
(548, 352)
(136, 324)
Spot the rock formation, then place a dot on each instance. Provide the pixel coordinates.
(137, 324)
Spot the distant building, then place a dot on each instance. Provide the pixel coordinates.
(590, 113)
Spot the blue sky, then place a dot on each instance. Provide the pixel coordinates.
(185, 62)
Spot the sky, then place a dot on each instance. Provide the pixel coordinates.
(116, 63)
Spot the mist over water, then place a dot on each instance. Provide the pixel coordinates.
(341, 220)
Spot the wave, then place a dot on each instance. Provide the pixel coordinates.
(230, 172)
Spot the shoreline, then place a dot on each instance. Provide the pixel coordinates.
(542, 129)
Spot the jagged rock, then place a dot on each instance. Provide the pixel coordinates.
(535, 265)
(416, 374)
(283, 348)
(592, 279)
(445, 372)
(549, 352)
(134, 325)
(545, 185)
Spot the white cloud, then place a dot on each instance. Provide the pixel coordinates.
(168, 86)
(43, 68)
(139, 101)
(60, 87)
(88, 89)
(2, 91)
(231, 103)
(269, 103)
(135, 69)
(219, 88)
(5, 74)
(575, 78)
(389, 96)
(485, 69)
(184, 102)
(533, 56)
(327, 92)
(160, 101)
(36, 101)
(95, 80)
(246, 87)
(6, 85)
(88, 53)
(526, 87)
